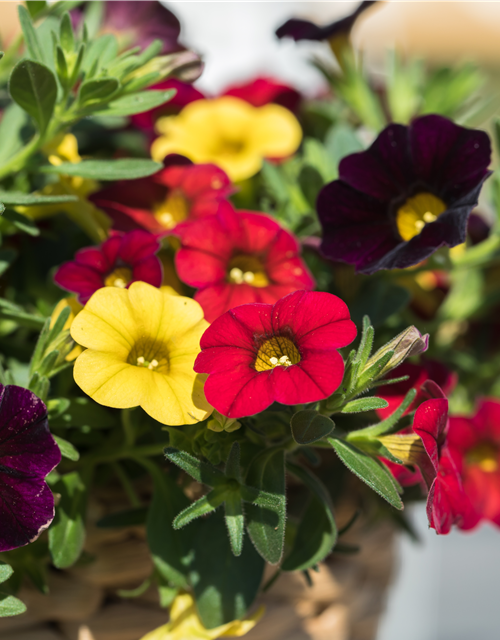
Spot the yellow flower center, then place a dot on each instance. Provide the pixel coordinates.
(120, 277)
(151, 355)
(416, 212)
(174, 209)
(249, 270)
(278, 351)
(485, 456)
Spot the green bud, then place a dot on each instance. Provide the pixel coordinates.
(219, 423)
(409, 342)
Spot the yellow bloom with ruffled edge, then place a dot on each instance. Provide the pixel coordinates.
(75, 308)
(92, 220)
(141, 346)
(230, 133)
(185, 624)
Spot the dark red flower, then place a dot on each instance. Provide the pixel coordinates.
(407, 195)
(28, 453)
(119, 261)
(257, 354)
(475, 445)
(158, 203)
(238, 257)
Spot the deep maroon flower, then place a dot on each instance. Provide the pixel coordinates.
(28, 453)
(257, 354)
(119, 261)
(305, 30)
(407, 195)
(238, 257)
(158, 203)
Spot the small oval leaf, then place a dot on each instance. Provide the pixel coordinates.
(365, 404)
(309, 426)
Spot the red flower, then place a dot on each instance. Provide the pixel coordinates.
(158, 203)
(239, 257)
(119, 261)
(475, 446)
(418, 374)
(257, 354)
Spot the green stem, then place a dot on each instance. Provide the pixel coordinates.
(128, 427)
(127, 485)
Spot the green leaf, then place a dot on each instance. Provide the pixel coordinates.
(67, 449)
(11, 125)
(10, 606)
(11, 311)
(387, 425)
(171, 550)
(317, 157)
(35, 7)
(310, 181)
(379, 299)
(225, 585)
(67, 532)
(122, 169)
(136, 103)
(341, 141)
(33, 86)
(201, 471)
(371, 471)
(201, 507)
(7, 257)
(5, 571)
(309, 426)
(317, 532)
(125, 518)
(365, 404)
(66, 35)
(33, 47)
(16, 198)
(266, 527)
(97, 90)
(84, 412)
(235, 522)
(22, 223)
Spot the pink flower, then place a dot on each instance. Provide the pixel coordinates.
(257, 354)
(238, 257)
(119, 261)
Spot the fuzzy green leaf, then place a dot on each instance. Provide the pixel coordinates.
(201, 471)
(33, 86)
(201, 507)
(122, 169)
(33, 47)
(10, 606)
(15, 198)
(67, 449)
(235, 522)
(365, 404)
(22, 223)
(97, 90)
(309, 426)
(5, 571)
(136, 103)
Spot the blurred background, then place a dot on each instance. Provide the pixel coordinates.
(446, 588)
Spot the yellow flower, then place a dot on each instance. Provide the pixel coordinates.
(75, 308)
(141, 346)
(230, 133)
(185, 624)
(92, 220)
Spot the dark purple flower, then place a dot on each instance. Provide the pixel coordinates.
(119, 261)
(407, 195)
(305, 30)
(28, 453)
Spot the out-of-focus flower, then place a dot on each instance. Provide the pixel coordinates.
(407, 195)
(239, 257)
(417, 374)
(119, 261)
(475, 445)
(138, 24)
(230, 133)
(28, 453)
(173, 195)
(141, 346)
(257, 354)
(83, 213)
(185, 624)
(75, 308)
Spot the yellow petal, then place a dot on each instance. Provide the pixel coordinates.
(107, 323)
(277, 132)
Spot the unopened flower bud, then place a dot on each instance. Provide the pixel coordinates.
(409, 342)
(218, 422)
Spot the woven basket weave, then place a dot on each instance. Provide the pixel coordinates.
(344, 603)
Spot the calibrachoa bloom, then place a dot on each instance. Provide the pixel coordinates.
(119, 261)
(230, 133)
(28, 453)
(141, 346)
(407, 195)
(257, 354)
(475, 446)
(239, 257)
(158, 203)
(185, 623)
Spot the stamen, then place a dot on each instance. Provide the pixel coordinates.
(273, 361)
(249, 277)
(153, 364)
(140, 361)
(236, 275)
(429, 217)
(285, 361)
(119, 282)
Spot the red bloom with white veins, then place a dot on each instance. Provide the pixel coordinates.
(238, 257)
(257, 354)
(158, 203)
(475, 445)
(119, 261)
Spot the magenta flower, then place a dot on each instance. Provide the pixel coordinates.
(257, 354)
(119, 261)
(406, 196)
(28, 453)
(238, 257)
